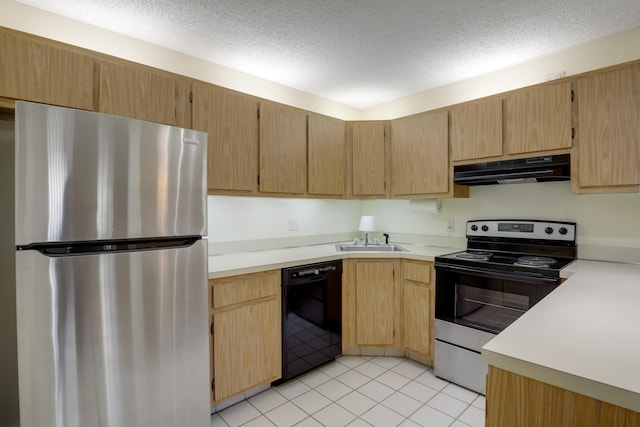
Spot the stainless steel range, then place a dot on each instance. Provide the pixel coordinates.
(508, 266)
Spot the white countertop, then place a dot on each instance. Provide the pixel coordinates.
(583, 337)
(252, 262)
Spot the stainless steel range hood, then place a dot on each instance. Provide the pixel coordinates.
(516, 171)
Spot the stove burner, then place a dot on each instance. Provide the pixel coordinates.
(542, 259)
(475, 256)
(535, 261)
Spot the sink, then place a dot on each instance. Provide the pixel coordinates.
(350, 247)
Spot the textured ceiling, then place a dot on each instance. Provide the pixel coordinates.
(359, 52)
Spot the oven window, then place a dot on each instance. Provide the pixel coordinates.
(488, 309)
(486, 300)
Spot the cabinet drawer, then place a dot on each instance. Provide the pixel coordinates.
(417, 271)
(239, 289)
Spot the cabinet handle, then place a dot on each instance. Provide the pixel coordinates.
(211, 329)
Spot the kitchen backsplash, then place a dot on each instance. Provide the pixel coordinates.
(607, 224)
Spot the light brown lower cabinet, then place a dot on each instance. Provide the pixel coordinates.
(388, 305)
(370, 303)
(418, 291)
(515, 400)
(246, 349)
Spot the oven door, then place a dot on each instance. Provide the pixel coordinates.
(484, 299)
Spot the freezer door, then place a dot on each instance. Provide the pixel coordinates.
(113, 340)
(83, 176)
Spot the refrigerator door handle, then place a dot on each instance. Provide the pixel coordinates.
(87, 248)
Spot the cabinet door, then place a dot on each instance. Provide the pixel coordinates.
(32, 70)
(138, 92)
(375, 308)
(231, 121)
(420, 154)
(608, 134)
(247, 347)
(184, 110)
(327, 156)
(368, 158)
(476, 130)
(418, 305)
(211, 361)
(283, 149)
(538, 119)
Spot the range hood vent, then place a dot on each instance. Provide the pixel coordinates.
(516, 171)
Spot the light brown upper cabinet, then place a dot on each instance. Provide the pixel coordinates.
(184, 110)
(135, 91)
(608, 132)
(283, 149)
(538, 118)
(39, 71)
(420, 155)
(327, 156)
(476, 130)
(369, 165)
(231, 121)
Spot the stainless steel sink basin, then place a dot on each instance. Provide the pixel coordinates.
(350, 247)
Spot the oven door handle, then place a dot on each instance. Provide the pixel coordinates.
(497, 275)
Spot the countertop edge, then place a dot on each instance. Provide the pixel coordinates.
(286, 260)
(597, 390)
(580, 275)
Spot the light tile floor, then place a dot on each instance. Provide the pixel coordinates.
(360, 391)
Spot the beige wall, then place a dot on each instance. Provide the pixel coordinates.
(620, 48)
(251, 218)
(613, 50)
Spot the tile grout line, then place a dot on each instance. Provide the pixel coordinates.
(378, 402)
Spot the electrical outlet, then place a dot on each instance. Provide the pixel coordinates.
(292, 224)
(450, 225)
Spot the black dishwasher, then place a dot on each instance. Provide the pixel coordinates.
(311, 317)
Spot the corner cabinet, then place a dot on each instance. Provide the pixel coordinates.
(371, 303)
(231, 121)
(608, 132)
(418, 309)
(37, 70)
(327, 163)
(476, 130)
(368, 149)
(283, 149)
(420, 155)
(246, 333)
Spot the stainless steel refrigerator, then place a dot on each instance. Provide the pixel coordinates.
(103, 295)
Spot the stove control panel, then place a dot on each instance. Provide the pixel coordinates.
(523, 229)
